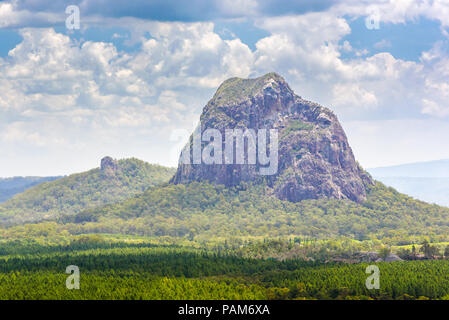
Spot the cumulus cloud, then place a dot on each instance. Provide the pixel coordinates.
(91, 97)
(395, 11)
(20, 133)
(180, 54)
(307, 50)
(12, 15)
(90, 93)
(48, 69)
(352, 96)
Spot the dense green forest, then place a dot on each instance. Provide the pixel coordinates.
(144, 271)
(134, 236)
(77, 192)
(202, 212)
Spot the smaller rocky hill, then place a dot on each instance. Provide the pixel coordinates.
(114, 181)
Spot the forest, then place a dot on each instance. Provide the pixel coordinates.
(141, 270)
(200, 212)
(77, 192)
(203, 241)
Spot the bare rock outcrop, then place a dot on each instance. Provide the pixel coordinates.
(314, 156)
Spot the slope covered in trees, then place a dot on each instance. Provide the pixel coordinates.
(12, 186)
(115, 181)
(201, 212)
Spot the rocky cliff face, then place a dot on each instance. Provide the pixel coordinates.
(314, 157)
(108, 166)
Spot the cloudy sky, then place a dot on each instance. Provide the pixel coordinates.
(134, 78)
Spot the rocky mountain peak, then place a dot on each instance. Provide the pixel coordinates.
(313, 157)
(108, 166)
(235, 90)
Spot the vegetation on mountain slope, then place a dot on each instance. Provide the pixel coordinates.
(201, 212)
(72, 194)
(9, 187)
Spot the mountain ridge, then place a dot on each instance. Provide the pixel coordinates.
(427, 180)
(11, 186)
(422, 169)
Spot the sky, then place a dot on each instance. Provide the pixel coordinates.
(133, 79)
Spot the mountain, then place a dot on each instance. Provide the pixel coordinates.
(314, 157)
(432, 190)
(319, 190)
(112, 182)
(429, 169)
(427, 181)
(12, 186)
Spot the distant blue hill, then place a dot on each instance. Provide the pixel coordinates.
(9, 187)
(427, 181)
(430, 169)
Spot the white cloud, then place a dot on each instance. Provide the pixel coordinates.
(436, 109)
(306, 50)
(396, 11)
(12, 16)
(19, 132)
(383, 44)
(97, 99)
(352, 96)
(180, 54)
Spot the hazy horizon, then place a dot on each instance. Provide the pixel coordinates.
(97, 165)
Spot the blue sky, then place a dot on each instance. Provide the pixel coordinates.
(134, 79)
(402, 40)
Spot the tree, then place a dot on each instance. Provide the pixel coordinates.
(384, 253)
(405, 254)
(425, 248)
(428, 250)
(446, 252)
(434, 251)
